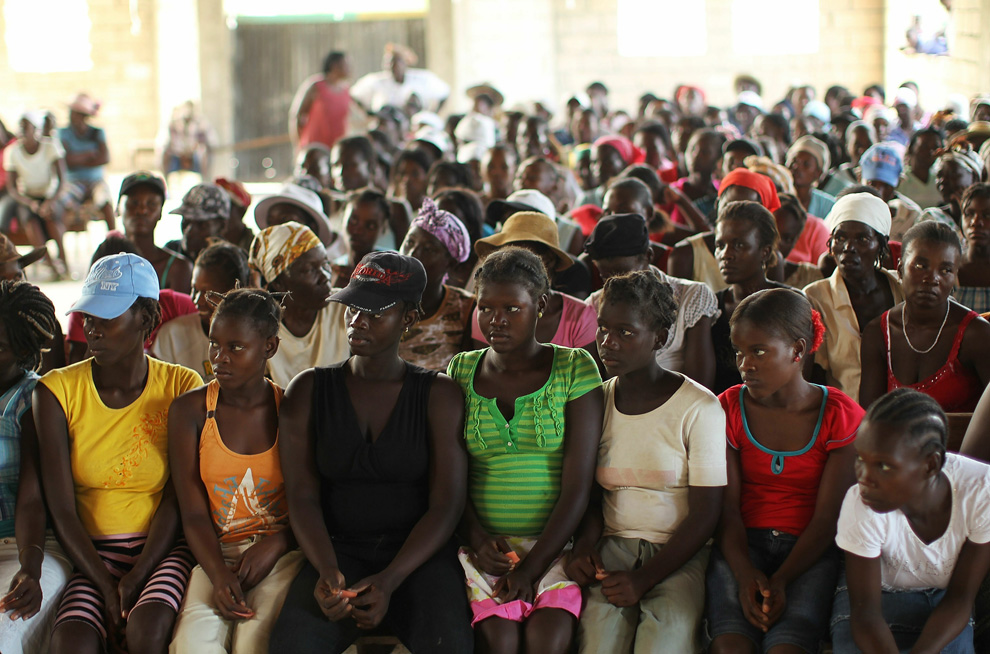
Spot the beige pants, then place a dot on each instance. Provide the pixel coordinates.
(199, 629)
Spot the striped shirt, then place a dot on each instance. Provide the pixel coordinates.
(13, 404)
(515, 465)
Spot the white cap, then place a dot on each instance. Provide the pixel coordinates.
(535, 199)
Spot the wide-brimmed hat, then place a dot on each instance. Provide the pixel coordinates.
(302, 198)
(85, 104)
(9, 253)
(485, 89)
(528, 227)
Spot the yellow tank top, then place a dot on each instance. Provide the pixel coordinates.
(119, 457)
(246, 491)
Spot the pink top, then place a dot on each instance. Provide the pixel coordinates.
(812, 243)
(578, 324)
(675, 214)
(956, 388)
(327, 116)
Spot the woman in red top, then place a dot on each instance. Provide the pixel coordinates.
(789, 464)
(929, 342)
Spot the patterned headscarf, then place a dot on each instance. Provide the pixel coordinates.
(238, 194)
(962, 153)
(447, 227)
(277, 247)
(779, 175)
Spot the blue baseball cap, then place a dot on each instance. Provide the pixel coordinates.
(113, 283)
(881, 163)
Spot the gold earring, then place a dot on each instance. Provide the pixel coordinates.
(539, 314)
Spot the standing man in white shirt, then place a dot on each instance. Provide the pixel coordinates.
(398, 82)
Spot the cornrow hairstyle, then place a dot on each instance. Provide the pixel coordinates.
(790, 203)
(469, 208)
(29, 317)
(262, 308)
(373, 196)
(784, 311)
(918, 414)
(644, 290)
(154, 311)
(759, 217)
(514, 265)
(230, 260)
(931, 232)
(979, 191)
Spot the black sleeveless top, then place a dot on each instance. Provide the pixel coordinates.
(379, 489)
(726, 372)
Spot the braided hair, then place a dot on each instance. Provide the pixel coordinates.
(229, 260)
(262, 308)
(918, 414)
(514, 265)
(29, 317)
(644, 290)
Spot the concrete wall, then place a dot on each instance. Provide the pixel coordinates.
(124, 76)
(550, 48)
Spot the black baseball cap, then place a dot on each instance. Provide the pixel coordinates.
(134, 180)
(618, 235)
(381, 280)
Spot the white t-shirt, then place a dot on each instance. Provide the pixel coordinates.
(905, 562)
(34, 171)
(646, 462)
(695, 300)
(375, 90)
(182, 341)
(325, 344)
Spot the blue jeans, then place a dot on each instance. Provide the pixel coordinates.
(805, 618)
(905, 612)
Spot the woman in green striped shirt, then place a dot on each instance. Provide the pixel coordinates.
(532, 426)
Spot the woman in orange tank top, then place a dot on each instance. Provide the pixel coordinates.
(223, 451)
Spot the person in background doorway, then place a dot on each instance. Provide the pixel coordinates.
(186, 142)
(398, 83)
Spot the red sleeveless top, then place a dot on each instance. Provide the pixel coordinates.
(327, 116)
(955, 387)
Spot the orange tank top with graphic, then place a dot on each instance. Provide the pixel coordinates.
(246, 491)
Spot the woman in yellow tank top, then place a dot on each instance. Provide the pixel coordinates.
(101, 424)
(223, 448)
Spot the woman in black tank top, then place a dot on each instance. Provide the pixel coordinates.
(375, 474)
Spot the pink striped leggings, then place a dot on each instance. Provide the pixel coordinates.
(82, 602)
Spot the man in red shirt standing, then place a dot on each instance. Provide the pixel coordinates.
(320, 110)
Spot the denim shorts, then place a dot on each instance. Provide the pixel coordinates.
(805, 619)
(905, 612)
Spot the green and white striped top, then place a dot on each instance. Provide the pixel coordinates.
(515, 465)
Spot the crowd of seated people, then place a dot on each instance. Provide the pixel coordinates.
(681, 379)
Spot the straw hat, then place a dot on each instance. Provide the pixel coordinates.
(529, 227)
